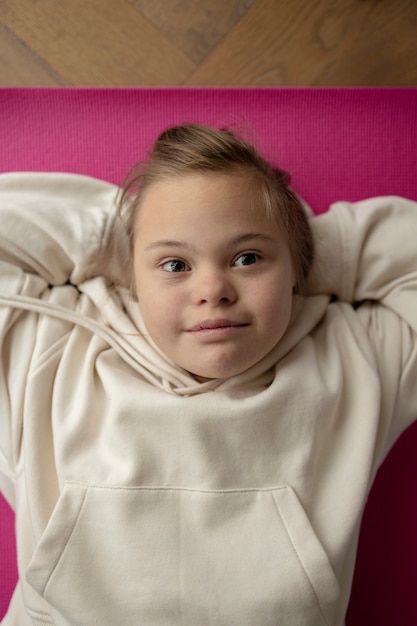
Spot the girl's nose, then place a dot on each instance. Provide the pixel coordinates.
(214, 287)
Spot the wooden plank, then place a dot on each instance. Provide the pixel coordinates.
(255, 51)
(96, 42)
(19, 65)
(273, 42)
(305, 42)
(194, 26)
(381, 49)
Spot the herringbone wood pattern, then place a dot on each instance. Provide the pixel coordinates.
(208, 42)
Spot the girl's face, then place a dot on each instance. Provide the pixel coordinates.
(213, 275)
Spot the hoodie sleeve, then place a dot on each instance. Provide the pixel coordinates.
(367, 251)
(366, 255)
(50, 226)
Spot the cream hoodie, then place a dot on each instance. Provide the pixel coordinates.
(145, 498)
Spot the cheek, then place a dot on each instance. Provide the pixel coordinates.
(159, 309)
(147, 299)
(276, 307)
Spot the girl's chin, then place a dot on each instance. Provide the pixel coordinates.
(216, 374)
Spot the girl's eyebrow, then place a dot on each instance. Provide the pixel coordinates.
(250, 236)
(170, 243)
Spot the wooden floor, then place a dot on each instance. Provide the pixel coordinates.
(208, 42)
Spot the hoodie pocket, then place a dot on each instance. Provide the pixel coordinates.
(168, 557)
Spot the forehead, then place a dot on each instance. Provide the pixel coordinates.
(196, 186)
(201, 197)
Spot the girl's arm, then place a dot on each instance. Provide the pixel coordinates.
(51, 224)
(368, 251)
(367, 256)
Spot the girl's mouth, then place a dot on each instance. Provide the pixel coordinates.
(216, 324)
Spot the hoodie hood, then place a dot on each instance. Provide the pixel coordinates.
(120, 312)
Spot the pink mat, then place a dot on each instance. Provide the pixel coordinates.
(338, 144)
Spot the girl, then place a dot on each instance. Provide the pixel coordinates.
(193, 403)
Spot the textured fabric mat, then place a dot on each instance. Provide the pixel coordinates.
(338, 144)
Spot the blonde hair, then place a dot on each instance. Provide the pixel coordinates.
(194, 148)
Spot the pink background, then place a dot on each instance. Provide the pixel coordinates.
(338, 144)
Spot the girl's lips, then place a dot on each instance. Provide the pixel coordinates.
(215, 324)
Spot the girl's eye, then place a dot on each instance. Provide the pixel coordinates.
(248, 258)
(175, 265)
